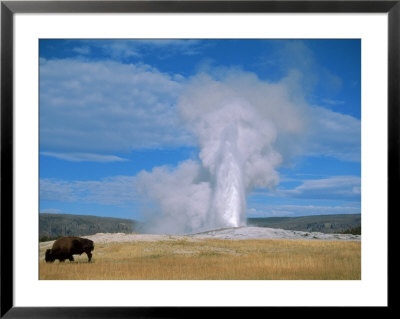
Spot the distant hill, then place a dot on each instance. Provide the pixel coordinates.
(55, 225)
(344, 223)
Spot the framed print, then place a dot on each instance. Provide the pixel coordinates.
(161, 156)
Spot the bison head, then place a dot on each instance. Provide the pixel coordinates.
(49, 256)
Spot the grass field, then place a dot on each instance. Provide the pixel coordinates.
(213, 259)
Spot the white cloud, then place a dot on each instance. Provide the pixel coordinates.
(136, 48)
(333, 102)
(174, 46)
(296, 55)
(333, 134)
(331, 188)
(84, 157)
(117, 190)
(84, 50)
(103, 107)
(57, 190)
(301, 210)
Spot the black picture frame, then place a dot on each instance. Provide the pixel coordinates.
(9, 8)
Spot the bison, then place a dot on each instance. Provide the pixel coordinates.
(65, 247)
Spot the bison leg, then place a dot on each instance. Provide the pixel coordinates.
(62, 260)
(71, 258)
(89, 254)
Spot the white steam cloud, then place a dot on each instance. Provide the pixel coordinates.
(244, 129)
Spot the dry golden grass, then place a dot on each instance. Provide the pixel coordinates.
(213, 259)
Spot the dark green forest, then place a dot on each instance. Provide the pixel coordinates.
(345, 223)
(52, 226)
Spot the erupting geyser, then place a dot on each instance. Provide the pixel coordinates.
(236, 121)
(228, 208)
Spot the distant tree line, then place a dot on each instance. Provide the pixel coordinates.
(319, 223)
(48, 238)
(53, 226)
(353, 231)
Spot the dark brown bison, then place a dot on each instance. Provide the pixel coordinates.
(65, 247)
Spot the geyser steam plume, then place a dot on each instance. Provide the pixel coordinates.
(244, 127)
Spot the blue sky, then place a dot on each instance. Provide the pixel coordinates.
(109, 109)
